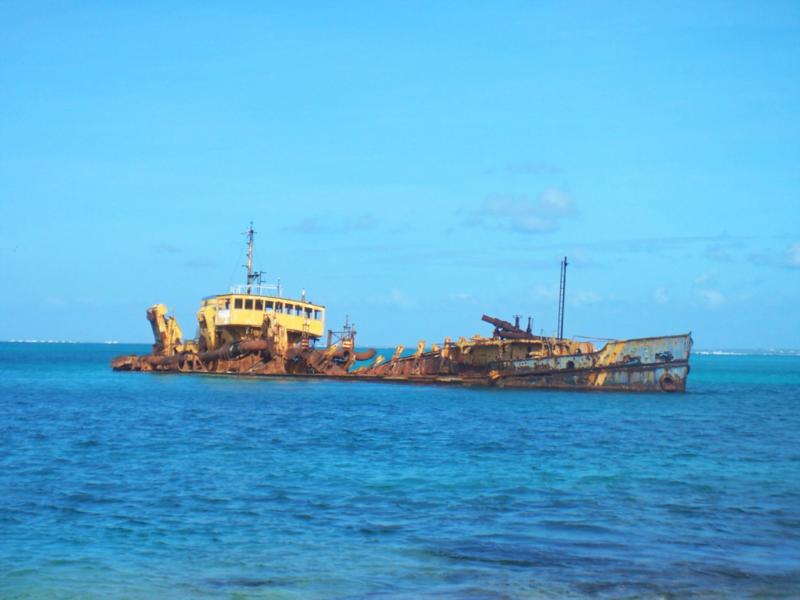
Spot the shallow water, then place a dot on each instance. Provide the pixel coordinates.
(140, 485)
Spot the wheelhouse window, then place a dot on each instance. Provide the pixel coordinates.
(317, 314)
(248, 304)
(279, 307)
(289, 309)
(269, 306)
(308, 312)
(259, 305)
(237, 303)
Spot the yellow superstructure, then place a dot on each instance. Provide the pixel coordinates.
(229, 317)
(248, 312)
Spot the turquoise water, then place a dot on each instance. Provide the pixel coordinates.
(126, 485)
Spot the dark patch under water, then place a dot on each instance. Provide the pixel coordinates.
(142, 486)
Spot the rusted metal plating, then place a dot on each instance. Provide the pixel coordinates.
(513, 358)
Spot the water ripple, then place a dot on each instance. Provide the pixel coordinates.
(141, 486)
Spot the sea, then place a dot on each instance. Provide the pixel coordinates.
(137, 485)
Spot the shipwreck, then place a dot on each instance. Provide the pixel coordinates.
(254, 330)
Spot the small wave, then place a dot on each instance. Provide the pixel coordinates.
(380, 528)
(242, 582)
(89, 443)
(529, 561)
(82, 497)
(576, 526)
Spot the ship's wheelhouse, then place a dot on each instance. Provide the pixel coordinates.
(227, 317)
(235, 310)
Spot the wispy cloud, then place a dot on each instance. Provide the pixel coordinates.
(55, 302)
(578, 257)
(719, 253)
(394, 297)
(654, 245)
(760, 258)
(200, 262)
(705, 278)
(315, 225)
(577, 298)
(661, 296)
(166, 248)
(545, 292)
(582, 298)
(360, 223)
(712, 298)
(530, 167)
(792, 256)
(523, 215)
(775, 255)
(460, 297)
(307, 225)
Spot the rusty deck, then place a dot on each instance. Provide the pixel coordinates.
(646, 364)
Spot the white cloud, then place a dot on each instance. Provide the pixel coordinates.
(705, 278)
(584, 298)
(712, 298)
(506, 206)
(556, 203)
(545, 292)
(460, 297)
(523, 215)
(661, 296)
(532, 224)
(394, 298)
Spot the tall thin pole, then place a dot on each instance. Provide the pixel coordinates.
(250, 275)
(561, 293)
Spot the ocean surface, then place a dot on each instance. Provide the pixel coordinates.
(131, 485)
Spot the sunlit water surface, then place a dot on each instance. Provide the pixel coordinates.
(133, 485)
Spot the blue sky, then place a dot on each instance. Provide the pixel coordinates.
(413, 165)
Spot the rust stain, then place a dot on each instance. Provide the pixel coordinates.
(511, 358)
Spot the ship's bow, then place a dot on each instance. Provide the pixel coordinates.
(656, 364)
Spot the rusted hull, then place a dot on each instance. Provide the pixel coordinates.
(658, 364)
(644, 365)
(645, 378)
(250, 357)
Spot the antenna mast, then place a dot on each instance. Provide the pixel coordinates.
(250, 233)
(561, 293)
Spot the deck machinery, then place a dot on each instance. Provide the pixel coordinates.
(251, 329)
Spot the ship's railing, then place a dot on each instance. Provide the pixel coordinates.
(273, 289)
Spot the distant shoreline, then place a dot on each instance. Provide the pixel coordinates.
(754, 352)
(702, 352)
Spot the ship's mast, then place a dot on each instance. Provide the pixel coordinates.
(250, 233)
(561, 293)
